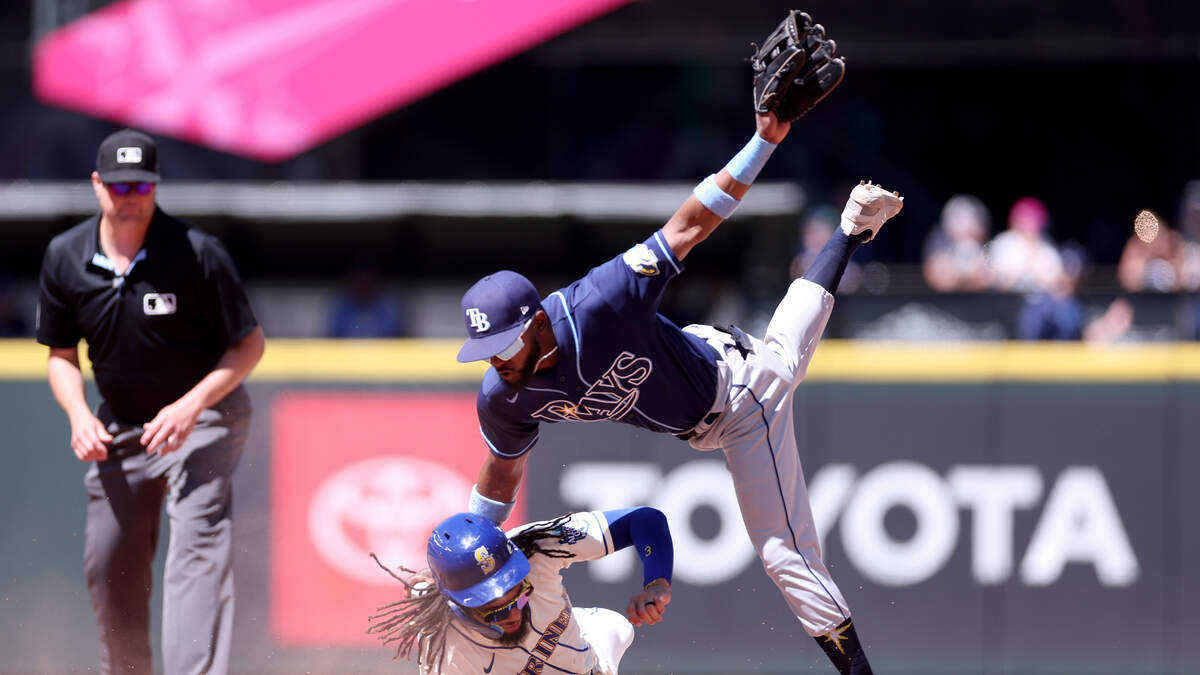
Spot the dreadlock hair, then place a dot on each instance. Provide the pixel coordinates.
(419, 620)
(527, 540)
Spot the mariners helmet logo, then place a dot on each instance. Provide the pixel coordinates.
(478, 320)
(485, 560)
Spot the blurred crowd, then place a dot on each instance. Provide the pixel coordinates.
(962, 255)
(975, 281)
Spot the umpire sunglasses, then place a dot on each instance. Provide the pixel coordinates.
(500, 613)
(122, 189)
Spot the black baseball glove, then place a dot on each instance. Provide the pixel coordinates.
(795, 68)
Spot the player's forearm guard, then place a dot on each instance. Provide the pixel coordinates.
(495, 511)
(745, 165)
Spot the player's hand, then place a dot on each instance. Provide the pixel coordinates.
(647, 607)
(170, 427)
(771, 128)
(89, 438)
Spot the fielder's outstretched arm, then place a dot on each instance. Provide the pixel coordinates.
(716, 197)
(496, 486)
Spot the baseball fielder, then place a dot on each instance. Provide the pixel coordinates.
(495, 602)
(598, 350)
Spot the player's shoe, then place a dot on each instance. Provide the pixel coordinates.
(869, 207)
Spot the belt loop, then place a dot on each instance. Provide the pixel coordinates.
(741, 340)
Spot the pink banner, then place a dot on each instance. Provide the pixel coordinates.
(269, 79)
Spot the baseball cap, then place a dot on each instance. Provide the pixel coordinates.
(496, 310)
(126, 156)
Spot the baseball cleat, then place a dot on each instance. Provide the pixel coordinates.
(869, 207)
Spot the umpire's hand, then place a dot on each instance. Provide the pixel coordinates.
(170, 427)
(89, 438)
(647, 607)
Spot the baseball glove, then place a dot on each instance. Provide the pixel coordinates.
(795, 68)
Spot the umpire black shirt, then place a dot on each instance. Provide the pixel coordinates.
(155, 332)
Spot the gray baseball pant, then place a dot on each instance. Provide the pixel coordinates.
(125, 498)
(757, 433)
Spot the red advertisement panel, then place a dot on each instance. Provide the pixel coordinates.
(354, 474)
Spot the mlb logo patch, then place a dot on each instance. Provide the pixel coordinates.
(158, 304)
(129, 155)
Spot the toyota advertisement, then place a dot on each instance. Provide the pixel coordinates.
(972, 527)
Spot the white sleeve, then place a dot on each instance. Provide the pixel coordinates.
(585, 535)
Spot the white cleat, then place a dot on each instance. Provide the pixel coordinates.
(869, 207)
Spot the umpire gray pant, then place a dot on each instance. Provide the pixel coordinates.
(125, 499)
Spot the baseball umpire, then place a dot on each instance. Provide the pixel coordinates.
(598, 350)
(171, 336)
(497, 602)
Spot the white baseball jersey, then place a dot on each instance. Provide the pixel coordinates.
(577, 640)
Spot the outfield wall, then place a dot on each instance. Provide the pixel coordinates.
(986, 508)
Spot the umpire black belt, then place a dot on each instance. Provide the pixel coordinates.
(741, 342)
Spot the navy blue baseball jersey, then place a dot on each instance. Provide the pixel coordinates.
(618, 359)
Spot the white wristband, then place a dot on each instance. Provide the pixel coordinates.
(714, 198)
(495, 511)
(745, 165)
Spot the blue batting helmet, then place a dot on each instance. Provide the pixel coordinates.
(472, 560)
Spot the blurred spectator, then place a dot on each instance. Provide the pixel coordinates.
(815, 229)
(12, 324)
(1153, 258)
(1055, 313)
(1021, 259)
(1189, 318)
(1189, 226)
(362, 310)
(1111, 326)
(1189, 210)
(954, 257)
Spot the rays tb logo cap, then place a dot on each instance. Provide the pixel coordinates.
(496, 310)
(127, 156)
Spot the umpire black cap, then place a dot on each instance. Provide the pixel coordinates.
(127, 156)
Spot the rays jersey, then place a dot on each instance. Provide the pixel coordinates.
(582, 646)
(618, 359)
